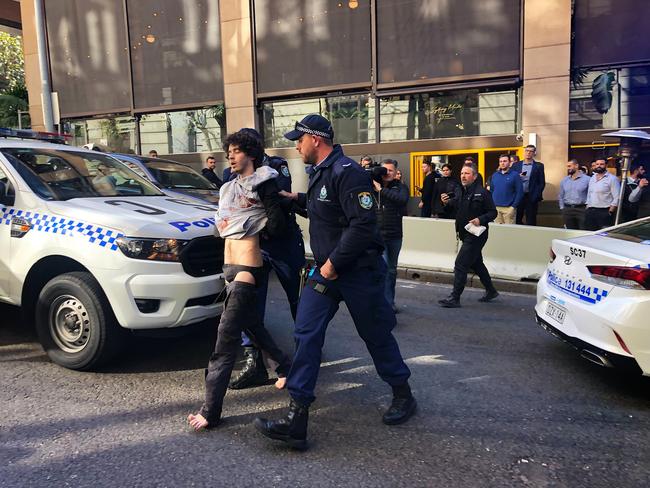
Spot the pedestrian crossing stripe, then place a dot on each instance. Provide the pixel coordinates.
(96, 235)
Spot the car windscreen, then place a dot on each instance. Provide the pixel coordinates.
(175, 175)
(633, 232)
(63, 175)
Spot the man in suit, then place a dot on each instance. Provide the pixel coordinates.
(532, 176)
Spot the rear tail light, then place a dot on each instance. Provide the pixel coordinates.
(622, 276)
(551, 255)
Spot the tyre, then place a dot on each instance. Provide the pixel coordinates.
(75, 323)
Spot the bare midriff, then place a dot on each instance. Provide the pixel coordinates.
(245, 251)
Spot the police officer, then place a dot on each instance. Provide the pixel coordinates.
(474, 205)
(286, 256)
(347, 250)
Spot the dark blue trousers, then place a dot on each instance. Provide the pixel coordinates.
(363, 291)
(286, 258)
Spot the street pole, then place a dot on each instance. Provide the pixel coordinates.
(626, 155)
(46, 91)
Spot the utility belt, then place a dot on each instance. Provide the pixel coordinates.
(367, 261)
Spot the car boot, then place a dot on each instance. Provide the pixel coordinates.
(292, 429)
(489, 296)
(450, 302)
(253, 373)
(403, 406)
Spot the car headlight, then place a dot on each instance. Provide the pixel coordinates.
(151, 249)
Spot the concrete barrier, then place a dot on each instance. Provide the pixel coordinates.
(519, 252)
(513, 252)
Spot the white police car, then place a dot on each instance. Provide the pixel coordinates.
(174, 178)
(89, 249)
(595, 294)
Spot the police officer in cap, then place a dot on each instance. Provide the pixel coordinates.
(474, 205)
(286, 256)
(349, 267)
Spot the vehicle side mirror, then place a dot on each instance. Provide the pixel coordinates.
(6, 199)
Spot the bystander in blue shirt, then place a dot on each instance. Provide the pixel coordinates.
(573, 191)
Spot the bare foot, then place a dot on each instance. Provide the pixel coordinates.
(281, 383)
(197, 422)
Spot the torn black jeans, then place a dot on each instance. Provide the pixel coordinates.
(240, 313)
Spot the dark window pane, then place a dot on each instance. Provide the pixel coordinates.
(609, 32)
(114, 134)
(448, 114)
(352, 118)
(438, 39)
(175, 52)
(87, 45)
(630, 100)
(310, 44)
(184, 131)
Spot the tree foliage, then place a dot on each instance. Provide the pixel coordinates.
(12, 65)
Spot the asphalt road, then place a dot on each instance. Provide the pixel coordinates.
(501, 403)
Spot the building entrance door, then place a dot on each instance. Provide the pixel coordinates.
(486, 159)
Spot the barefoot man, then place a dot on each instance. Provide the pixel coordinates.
(248, 205)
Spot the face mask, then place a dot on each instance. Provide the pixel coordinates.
(599, 170)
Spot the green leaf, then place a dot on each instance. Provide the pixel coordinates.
(601, 92)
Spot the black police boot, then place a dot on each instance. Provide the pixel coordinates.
(489, 295)
(403, 406)
(254, 372)
(292, 429)
(450, 302)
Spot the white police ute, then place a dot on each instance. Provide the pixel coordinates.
(89, 249)
(595, 295)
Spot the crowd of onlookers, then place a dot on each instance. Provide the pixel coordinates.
(588, 197)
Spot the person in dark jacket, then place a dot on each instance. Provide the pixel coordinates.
(208, 172)
(446, 185)
(630, 208)
(347, 247)
(474, 206)
(426, 192)
(391, 198)
(533, 178)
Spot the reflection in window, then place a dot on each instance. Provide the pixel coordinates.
(448, 114)
(185, 131)
(175, 52)
(115, 134)
(352, 117)
(610, 99)
(336, 32)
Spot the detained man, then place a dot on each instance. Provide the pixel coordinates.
(249, 205)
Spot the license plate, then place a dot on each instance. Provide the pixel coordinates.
(555, 312)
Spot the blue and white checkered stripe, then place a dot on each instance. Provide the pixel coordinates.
(60, 225)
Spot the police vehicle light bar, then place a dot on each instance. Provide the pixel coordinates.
(32, 134)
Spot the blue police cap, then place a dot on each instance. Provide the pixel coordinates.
(313, 124)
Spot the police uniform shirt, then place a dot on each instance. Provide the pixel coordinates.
(342, 219)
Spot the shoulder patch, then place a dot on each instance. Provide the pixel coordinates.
(365, 200)
(285, 171)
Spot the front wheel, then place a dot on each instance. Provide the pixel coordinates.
(75, 323)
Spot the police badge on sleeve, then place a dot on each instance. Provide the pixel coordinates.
(365, 200)
(285, 171)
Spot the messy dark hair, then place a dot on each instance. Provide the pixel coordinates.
(248, 144)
